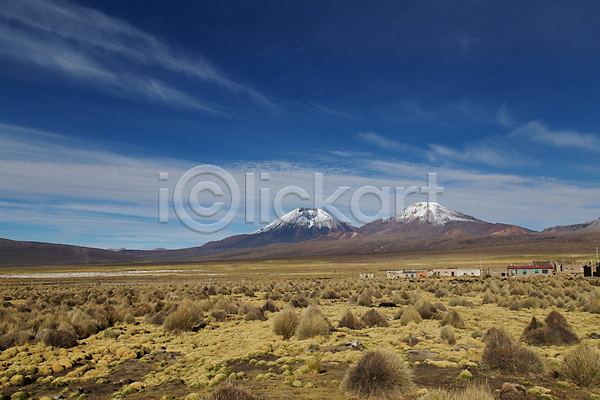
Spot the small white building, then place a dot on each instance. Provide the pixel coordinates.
(367, 276)
(455, 272)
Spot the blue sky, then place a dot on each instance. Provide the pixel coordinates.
(499, 98)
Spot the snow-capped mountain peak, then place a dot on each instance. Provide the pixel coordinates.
(433, 213)
(307, 218)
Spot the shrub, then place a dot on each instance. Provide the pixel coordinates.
(459, 301)
(425, 309)
(60, 338)
(312, 323)
(254, 314)
(555, 331)
(154, 318)
(593, 306)
(129, 319)
(15, 338)
(453, 318)
(473, 392)
(314, 365)
(504, 354)
(410, 314)
(269, 306)
(488, 298)
(436, 394)
(231, 391)
(582, 366)
(448, 334)
(365, 300)
(181, 320)
(443, 292)
(379, 374)
(374, 318)
(285, 323)
(350, 321)
(219, 315)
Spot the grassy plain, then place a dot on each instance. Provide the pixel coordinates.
(218, 332)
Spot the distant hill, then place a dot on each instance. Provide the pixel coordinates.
(17, 253)
(307, 232)
(590, 226)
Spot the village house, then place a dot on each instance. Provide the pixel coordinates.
(367, 276)
(405, 274)
(454, 272)
(525, 271)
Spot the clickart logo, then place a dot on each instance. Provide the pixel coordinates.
(213, 181)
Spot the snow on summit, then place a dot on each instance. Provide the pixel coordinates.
(305, 218)
(430, 212)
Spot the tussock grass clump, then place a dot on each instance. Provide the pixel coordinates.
(378, 374)
(313, 365)
(447, 333)
(154, 318)
(219, 315)
(183, 319)
(472, 392)
(593, 306)
(582, 366)
(503, 353)
(312, 323)
(231, 391)
(374, 318)
(285, 323)
(349, 321)
(443, 292)
(269, 306)
(425, 309)
(459, 301)
(410, 314)
(252, 313)
(365, 300)
(488, 298)
(60, 338)
(15, 338)
(453, 318)
(555, 331)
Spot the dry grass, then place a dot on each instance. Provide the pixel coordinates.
(285, 323)
(447, 334)
(582, 366)
(231, 391)
(60, 338)
(349, 321)
(312, 323)
(453, 318)
(378, 374)
(410, 314)
(555, 331)
(374, 318)
(503, 353)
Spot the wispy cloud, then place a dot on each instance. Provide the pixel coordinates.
(108, 54)
(485, 153)
(536, 131)
(383, 142)
(332, 112)
(504, 118)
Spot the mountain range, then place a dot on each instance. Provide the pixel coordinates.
(306, 232)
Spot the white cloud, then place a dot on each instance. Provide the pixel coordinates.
(57, 189)
(105, 53)
(536, 131)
